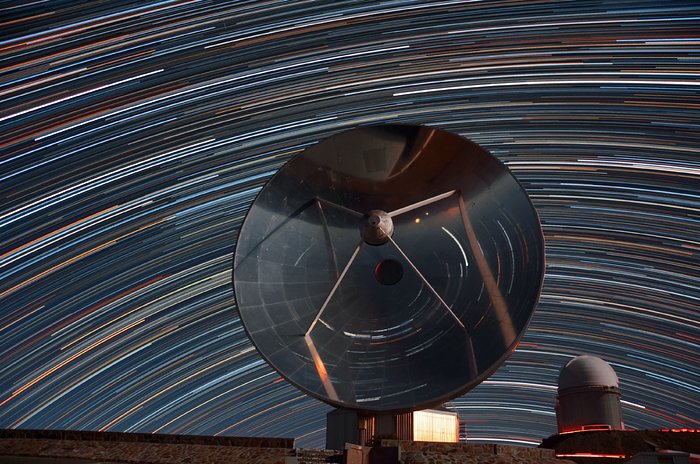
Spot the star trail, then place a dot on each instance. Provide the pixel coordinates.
(136, 135)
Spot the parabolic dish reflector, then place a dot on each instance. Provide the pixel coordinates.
(389, 268)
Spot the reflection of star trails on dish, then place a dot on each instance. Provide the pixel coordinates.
(464, 255)
(295, 214)
(321, 369)
(335, 287)
(421, 203)
(415, 269)
(497, 301)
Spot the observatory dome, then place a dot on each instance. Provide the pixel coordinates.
(587, 371)
(588, 397)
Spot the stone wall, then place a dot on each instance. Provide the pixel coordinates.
(317, 456)
(181, 449)
(475, 453)
(145, 448)
(84, 435)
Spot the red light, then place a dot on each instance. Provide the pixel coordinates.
(590, 455)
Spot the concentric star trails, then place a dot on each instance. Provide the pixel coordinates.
(134, 139)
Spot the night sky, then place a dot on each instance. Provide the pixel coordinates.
(135, 135)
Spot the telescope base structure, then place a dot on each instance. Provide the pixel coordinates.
(346, 426)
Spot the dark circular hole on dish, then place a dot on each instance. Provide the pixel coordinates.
(388, 272)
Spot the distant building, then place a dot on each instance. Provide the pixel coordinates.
(588, 396)
(346, 426)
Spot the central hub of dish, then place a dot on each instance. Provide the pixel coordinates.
(376, 227)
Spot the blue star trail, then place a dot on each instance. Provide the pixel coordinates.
(134, 137)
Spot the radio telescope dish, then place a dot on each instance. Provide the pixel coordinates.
(389, 268)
